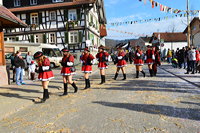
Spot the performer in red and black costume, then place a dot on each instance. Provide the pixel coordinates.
(102, 57)
(149, 59)
(87, 60)
(68, 70)
(45, 73)
(138, 61)
(157, 60)
(121, 64)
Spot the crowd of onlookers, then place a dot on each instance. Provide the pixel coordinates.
(187, 58)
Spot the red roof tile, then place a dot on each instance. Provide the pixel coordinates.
(172, 37)
(9, 20)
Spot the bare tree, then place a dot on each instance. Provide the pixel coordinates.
(172, 28)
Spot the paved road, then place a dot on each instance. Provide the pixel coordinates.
(162, 104)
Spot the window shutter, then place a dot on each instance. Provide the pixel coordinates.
(80, 37)
(78, 14)
(17, 38)
(65, 15)
(32, 38)
(28, 19)
(44, 38)
(40, 18)
(66, 38)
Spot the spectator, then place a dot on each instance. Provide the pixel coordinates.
(13, 65)
(192, 60)
(19, 68)
(169, 56)
(32, 68)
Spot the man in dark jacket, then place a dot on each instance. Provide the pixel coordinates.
(19, 68)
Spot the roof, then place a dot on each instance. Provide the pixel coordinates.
(170, 37)
(54, 5)
(9, 20)
(191, 23)
(146, 39)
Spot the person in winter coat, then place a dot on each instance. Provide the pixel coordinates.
(19, 68)
(156, 61)
(149, 59)
(32, 68)
(68, 71)
(192, 60)
(138, 61)
(102, 57)
(121, 63)
(45, 73)
(197, 66)
(29, 58)
(87, 60)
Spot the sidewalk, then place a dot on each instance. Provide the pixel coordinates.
(192, 78)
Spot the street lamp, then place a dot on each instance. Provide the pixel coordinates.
(188, 22)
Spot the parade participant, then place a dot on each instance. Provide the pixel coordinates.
(68, 70)
(138, 61)
(149, 59)
(121, 63)
(19, 68)
(87, 60)
(156, 61)
(102, 57)
(197, 59)
(45, 73)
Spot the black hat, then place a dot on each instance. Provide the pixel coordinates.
(38, 55)
(86, 49)
(101, 47)
(65, 50)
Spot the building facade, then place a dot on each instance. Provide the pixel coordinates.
(195, 32)
(74, 24)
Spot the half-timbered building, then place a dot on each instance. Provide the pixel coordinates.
(66, 23)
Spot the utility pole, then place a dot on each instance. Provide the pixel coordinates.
(188, 22)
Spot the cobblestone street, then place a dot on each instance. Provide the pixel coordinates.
(162, 104)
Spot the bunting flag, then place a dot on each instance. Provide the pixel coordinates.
(125, 32)
(151, 19)
(164, 8)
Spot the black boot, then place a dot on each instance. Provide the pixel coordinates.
(124, 77)
(75, 87)
(86, 84)
(154, 72)
(101, 79)
(65, 89)
(104, 78)
(45, 95)
(151, 72)
(137, 74)
(144, 75)
(116, 75)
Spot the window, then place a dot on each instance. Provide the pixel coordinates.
(57, 0)
(17, 2)
(51, 38)
(34, 18)
(52, 15)
(72, 15)
(36, 38)
(33, 2)
(73, 37)
(23, 49)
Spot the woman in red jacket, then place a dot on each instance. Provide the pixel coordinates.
(121, 64)
(45, 73)
(149, 59)
(197, 60)
(138, 61)
(87, 60)
(102, 57)
(68, 70)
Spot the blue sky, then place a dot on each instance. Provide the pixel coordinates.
(130, 10)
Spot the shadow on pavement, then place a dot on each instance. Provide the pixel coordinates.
(17, 96)
(185, 113)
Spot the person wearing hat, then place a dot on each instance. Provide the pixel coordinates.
(156, 61)
(149, 59)
(121, 64)
(102, 57)
(68, 70)
(87, 60)
(32, 68)
(138, 61)
(45, 73)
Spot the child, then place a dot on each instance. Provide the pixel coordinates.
(32, 70)
(174, 62)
